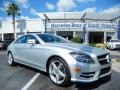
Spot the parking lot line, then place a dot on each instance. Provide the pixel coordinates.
(30, 82)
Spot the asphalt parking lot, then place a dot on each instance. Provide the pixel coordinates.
(21, 77)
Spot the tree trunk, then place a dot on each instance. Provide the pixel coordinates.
(14, 25)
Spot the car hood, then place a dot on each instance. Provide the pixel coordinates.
(114, 42)
(79, 48)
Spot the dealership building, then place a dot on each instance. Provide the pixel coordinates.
(90, 27)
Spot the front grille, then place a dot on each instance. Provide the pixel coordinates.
(105, 70)
(118, 45)
(103, 62)
(103, 59)
(101, 56)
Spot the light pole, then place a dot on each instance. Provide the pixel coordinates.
(45, 26)
(45, 22)
(84, 27)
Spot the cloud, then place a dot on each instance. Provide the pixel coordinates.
(85, 1)
(112, 10)
(49, 6)
(2, 9)
(33, 11)
(8, 18)
(5, 5)
(65, 5)
(24, 17)
(90, 10)
(23, 3)
(115, 9)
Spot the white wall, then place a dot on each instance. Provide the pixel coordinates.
(35, 26)
(6, 27)
(32, 25)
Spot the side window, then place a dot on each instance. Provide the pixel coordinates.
(31, 37)
(20, 40)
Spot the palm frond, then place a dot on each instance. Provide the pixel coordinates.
(13, 8)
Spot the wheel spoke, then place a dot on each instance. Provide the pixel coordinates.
(57, 78)
(61, 74)
(54, 66)
(59, 66)
(52, 71)
(9, 57)
(10, 60)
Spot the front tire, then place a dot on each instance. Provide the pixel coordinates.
(10, 59)
(59, 72)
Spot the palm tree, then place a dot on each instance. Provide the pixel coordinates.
(13, 10)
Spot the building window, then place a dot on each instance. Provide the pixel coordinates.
(108, 38)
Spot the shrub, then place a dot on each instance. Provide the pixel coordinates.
(76, 39)
(89, 44)
(100, 45)
(92, 44)
(118, 60)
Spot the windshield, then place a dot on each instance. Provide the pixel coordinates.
(48, 38)
(115, 40)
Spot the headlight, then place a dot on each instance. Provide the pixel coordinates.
(108, 58)
(82, 57)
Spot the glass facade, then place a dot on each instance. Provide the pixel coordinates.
(119, 29)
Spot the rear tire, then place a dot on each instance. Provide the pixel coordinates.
(59, 72)
(10, 59)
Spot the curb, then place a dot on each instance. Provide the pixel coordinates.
(114, 61)
(115, 65)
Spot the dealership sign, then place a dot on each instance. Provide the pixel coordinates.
(80, 25)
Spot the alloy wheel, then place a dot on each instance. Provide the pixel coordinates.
(57, 72)
(10, 59)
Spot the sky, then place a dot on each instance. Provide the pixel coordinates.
(30, 8)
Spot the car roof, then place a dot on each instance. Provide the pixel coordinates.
(38, 33)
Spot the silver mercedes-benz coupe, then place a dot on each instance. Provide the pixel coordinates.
(62, 59)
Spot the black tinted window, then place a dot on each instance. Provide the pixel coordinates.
(52, 38)
(115, 40)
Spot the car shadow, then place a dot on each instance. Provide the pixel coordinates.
(33, 69)
(108, 85)
(93, 85)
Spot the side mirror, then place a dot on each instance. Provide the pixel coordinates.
(31, 41)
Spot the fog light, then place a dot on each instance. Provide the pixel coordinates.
(75, 69)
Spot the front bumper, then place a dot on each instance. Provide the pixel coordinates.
(87, 78)
(91, 72)
(85, 72)
(116, 46)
